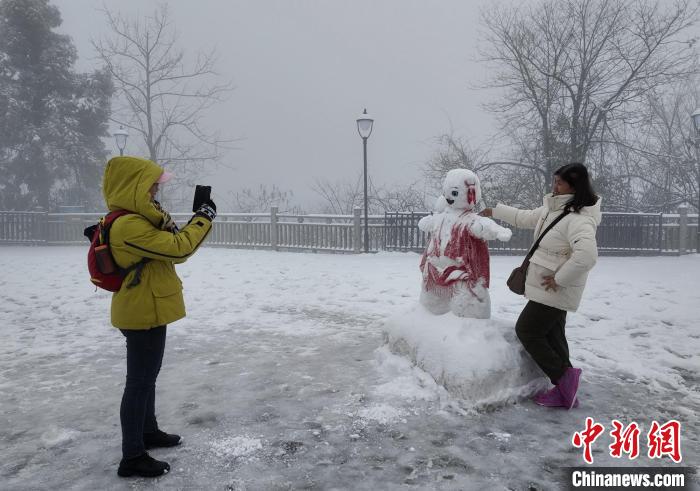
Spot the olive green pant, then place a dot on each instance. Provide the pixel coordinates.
(540, 329)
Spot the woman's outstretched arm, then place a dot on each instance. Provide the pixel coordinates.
(514, 216)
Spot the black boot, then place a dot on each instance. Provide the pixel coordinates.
(161, 439)
(144, 466)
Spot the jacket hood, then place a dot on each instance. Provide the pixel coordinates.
(556, 203)
(126, 184)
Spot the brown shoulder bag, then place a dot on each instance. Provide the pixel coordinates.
(516, 280)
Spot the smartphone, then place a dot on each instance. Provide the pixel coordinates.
(201, 195)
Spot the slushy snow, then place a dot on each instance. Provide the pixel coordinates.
(237, 446)
(279, 377)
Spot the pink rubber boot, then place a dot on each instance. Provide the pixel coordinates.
(551, 398)
(568, 385)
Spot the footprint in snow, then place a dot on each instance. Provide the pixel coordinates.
(639, 334)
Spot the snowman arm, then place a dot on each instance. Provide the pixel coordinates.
(490, 230)
(425, 224)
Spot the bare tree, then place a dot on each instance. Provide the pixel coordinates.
(342, 197)
(260, 200)
(163, 98)
(662, 164)
(452, 152)
(502, 180)
(409, 197)
(574, 71)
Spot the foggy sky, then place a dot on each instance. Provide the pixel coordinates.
(303, 72)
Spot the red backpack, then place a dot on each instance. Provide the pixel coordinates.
(104, 271)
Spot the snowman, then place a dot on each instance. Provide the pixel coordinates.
(455, 264)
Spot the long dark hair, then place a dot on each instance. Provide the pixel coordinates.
(576, 175)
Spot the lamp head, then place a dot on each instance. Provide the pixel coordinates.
(120, 137)
(696, 121)
(364, 125)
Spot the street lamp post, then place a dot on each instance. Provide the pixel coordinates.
(120, 137)
(696, 139)
(364, 128)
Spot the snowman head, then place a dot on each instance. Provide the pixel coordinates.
(462, 189)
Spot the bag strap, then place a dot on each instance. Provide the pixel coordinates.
(138, 266)
(137, 276)
(539, 239)
(107, 222)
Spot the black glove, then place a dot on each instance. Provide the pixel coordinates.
(202, 194)
(207, 210)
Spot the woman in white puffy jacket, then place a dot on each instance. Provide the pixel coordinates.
(557, 275)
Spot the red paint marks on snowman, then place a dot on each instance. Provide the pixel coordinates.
(470, 255)
(471, 193)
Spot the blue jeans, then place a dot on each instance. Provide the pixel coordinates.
(144, 356)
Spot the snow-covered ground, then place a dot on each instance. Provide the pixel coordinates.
(277, 378)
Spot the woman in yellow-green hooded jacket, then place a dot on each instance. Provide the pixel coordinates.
(143, 307)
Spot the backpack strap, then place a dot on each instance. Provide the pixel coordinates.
(138, 267)
(107, 222)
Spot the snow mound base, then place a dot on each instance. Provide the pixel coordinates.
(479, 361)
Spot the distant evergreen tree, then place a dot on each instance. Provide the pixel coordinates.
(52, 119)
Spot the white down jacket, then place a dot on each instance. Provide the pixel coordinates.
(568, 251)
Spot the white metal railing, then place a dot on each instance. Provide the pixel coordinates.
(674, 233)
